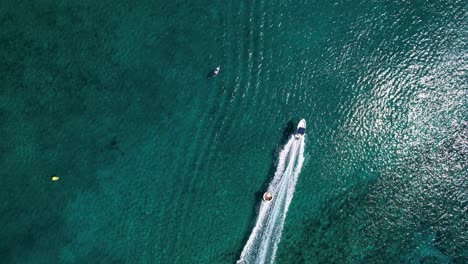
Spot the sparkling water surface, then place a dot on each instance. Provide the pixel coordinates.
(160, 164)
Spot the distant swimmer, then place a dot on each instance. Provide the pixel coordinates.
(268, 196)
(55, 178)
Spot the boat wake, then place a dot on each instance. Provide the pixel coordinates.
(266, 235)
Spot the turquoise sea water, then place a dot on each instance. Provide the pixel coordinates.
(160, 164)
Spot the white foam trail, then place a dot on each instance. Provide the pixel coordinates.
(266, 235)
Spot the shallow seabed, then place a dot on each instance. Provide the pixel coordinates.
(160, 164)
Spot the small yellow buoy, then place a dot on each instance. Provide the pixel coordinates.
(55, 178)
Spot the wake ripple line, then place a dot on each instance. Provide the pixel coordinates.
(266, 235)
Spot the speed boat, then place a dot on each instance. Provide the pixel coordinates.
(301, 127)
(216, 71)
